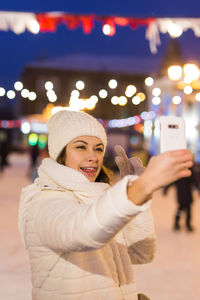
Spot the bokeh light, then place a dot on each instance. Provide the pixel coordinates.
(149, 81)
(80, 85)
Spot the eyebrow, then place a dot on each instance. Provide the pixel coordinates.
(78, 141)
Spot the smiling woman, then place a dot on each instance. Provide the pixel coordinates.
(97, 174)
(83, 234)
(85, 154)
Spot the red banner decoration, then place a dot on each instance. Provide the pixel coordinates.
(49, 22)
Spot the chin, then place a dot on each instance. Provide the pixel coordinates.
(91, 179)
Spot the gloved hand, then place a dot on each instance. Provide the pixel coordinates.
(127, 166)
(142, 297)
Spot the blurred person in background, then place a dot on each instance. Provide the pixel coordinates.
(34, 154)
(184, 196)
(82, 233)
(4, 150)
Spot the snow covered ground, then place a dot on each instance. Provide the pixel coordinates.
(174, 273)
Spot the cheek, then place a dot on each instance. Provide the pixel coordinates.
(71, 160)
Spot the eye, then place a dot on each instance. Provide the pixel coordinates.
(99, 149)
(80, 147)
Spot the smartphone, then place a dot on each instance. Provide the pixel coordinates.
(172, 133)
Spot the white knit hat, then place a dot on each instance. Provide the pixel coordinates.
(65, 126)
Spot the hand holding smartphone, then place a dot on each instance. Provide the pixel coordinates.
(172, 133)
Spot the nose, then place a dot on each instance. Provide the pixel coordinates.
(92, 156)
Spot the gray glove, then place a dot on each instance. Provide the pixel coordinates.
(127, 166)
(142, 297)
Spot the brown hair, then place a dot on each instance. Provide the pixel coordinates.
(105, 174)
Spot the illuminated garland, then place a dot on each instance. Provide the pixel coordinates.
(75, 101)
(115, 123)
(10, 124)
(18, 22)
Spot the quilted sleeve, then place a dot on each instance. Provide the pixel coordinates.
(140, 237)
(62, 224)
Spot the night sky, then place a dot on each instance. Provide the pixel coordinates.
(18, 50)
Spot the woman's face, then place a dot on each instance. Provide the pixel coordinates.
(85, 154)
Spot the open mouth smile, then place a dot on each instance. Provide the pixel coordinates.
(89, 171)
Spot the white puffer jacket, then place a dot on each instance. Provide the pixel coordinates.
(71, 228)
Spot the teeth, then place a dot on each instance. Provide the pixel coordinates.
(89, 168)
